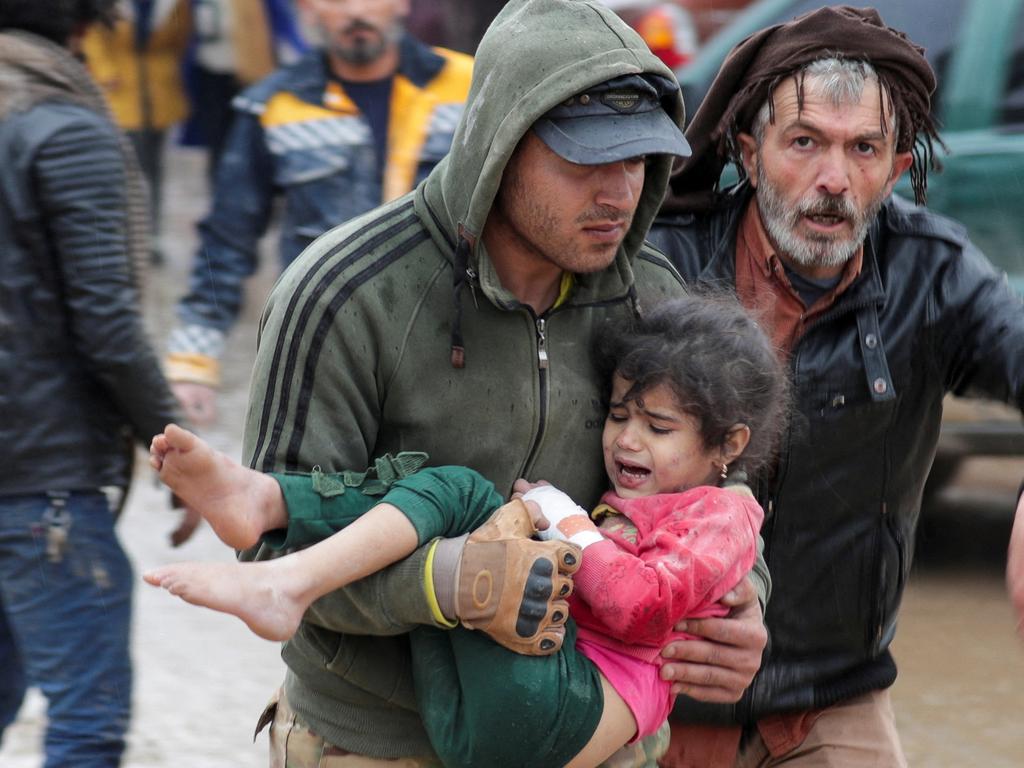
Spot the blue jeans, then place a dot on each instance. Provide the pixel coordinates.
(65, 610)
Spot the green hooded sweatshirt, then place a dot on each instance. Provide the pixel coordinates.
(356, 356)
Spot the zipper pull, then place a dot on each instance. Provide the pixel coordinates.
(472, 284)
(542, 351)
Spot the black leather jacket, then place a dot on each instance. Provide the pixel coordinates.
(928, 315)
(78, 379)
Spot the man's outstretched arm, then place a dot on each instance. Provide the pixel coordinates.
(1015, 565)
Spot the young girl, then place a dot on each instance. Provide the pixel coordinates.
(695, 387)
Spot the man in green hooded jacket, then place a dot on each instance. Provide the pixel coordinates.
(457, 321)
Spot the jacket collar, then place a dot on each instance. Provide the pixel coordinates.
(417, 62)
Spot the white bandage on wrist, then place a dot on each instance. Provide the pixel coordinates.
(555, 504)
(584, 539)
(567, 520)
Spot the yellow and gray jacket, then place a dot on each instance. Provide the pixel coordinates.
(298, 135)
(141, 77)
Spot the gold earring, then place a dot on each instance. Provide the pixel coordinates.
(725, 471)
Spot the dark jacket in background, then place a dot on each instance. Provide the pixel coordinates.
(78, 379)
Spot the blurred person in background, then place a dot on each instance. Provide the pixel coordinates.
(359, 120)
(235, 43)
(137, 63)
(79, 383)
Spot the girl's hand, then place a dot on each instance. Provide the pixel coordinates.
(569, 521)
(522, 486)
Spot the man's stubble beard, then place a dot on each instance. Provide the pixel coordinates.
(781, 222)
(537, 227)
(365, 51)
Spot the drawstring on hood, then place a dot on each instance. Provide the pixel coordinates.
(535, 55)
(460, 270)
(634, 303)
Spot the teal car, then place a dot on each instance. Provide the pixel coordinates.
(976, 48)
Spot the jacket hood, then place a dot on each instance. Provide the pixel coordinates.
(535, 55)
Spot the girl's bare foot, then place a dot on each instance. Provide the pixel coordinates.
(257, 593)
(239, 503)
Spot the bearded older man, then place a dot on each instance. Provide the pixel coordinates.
(881, 308)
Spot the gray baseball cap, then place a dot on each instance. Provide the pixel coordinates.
(613, 120)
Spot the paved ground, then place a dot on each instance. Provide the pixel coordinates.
(202, 678)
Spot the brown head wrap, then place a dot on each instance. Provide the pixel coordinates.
(756, 66)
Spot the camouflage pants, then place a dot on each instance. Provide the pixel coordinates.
(643, 754)
(293, 745)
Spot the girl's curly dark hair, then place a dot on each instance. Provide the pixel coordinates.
(718, 362)
(55, 19)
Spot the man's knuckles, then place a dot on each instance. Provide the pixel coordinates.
(509, 521)
(568, 557)
(550, 633)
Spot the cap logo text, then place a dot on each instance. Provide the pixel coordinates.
(622, 101)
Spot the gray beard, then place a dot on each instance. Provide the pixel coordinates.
(781, 222)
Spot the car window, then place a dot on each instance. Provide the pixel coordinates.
(1012, 111)
(932, 24)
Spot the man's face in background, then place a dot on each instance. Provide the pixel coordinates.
(358, 32)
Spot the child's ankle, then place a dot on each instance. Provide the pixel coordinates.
(272, 507)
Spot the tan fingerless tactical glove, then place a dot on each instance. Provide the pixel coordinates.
(499, 580)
